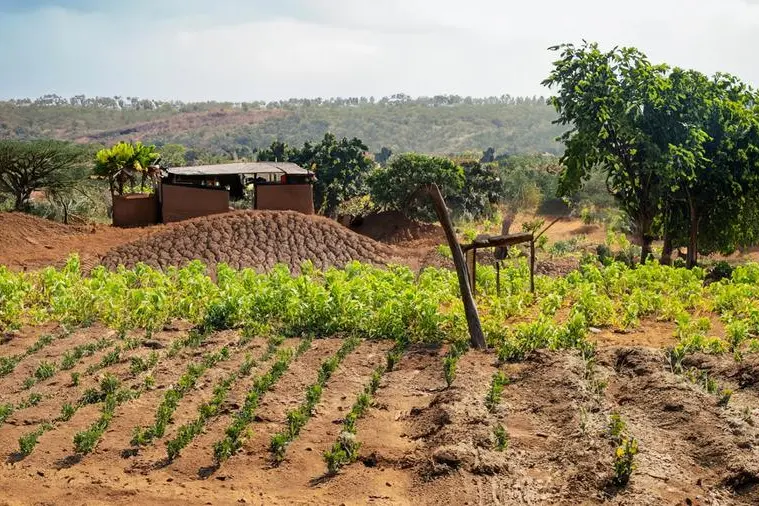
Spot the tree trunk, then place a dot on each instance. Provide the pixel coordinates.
(645, 248)
(470, 309)
(22, 197)
(666, 252)
(693, 240)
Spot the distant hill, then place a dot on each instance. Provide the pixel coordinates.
(441, 124)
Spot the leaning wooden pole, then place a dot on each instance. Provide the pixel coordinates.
(470, 309)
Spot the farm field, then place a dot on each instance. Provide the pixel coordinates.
(356, 385)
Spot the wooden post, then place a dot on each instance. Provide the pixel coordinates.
(470, 309)
(532, 266)
(498, 278)
(471, 269)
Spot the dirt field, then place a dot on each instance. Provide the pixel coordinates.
(31, 243)
(421, 443)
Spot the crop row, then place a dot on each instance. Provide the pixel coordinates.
(297, 418)
(236, 434)
(345, 449)
(210, 409)
(108, 385)
(8, 364)
(394, 303)
(194, 371)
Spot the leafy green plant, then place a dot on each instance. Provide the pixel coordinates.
(498, 383)
(501, 437)
(624, 461)
(235, 434)
(449, 368)
(67, 411)
(297, 418)
(45, 370)
(28, 442)
(6, 410)
(616, 427)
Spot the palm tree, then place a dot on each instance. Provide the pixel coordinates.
(122, 162)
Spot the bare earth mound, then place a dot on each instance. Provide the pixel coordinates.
(392, 227)
(256, 239)
(29, 242)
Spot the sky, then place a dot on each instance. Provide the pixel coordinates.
(245, 50)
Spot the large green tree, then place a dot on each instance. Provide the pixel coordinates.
(680, 150)
(395, 187)
(714, 166)
(341, 168)
(37, 165)
(611, 101)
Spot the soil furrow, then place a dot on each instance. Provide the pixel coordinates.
(197, 458)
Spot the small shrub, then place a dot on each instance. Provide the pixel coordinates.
(6, 410)
(44, 371)
(27, 442)
(109, 383)
(624, 461)
(501, 438)
(278, 446)
(616, 427)
(67, 411)
(493, 398)
(449, 368)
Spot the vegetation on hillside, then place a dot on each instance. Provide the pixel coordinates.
(441, 124)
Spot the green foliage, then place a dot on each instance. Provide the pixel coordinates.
(297, 418)
(341, 168)
(498, 383)
(123, 162)
(45, 370)
(67, 411)
(679, 149)
(75, 378)
(624, 461)
(395, 187)
(35, 165)
(501, 438)
(213, 130)
(235, 434)
(193, 372)
(449, 368)
(32, 400)
(6, 410)
(616, 427)
(27, 442)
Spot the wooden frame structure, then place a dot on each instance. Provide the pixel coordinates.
(497, 241)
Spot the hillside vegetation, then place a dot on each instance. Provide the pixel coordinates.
(441, 124)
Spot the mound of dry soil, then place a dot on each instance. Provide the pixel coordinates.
(30, 242)
(256, 239)
(393, 227)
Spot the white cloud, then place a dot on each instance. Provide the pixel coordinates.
(259, 50)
